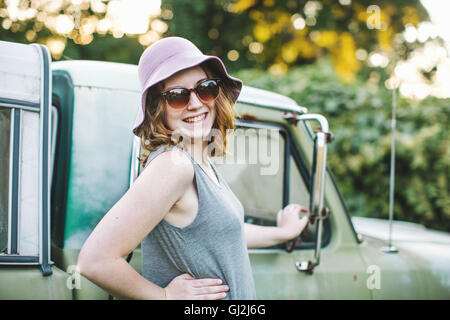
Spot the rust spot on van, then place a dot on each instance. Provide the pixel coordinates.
(355, 278)
(291, 117)
(247, 116)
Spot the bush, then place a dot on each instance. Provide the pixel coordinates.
(359, 115)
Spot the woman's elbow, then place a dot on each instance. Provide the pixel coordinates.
(87, 263)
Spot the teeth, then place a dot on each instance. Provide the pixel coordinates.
(196, 119)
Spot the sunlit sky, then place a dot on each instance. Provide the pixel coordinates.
(411, 82)
(439, 11)
(133, 15)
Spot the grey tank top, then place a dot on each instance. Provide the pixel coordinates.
(212, 246)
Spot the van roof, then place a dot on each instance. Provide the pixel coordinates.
(124, 76)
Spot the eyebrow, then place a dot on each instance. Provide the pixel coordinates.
(173, 87)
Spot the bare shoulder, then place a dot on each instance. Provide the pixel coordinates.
(172, 164)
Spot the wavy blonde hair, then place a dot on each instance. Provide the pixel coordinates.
(154, 130)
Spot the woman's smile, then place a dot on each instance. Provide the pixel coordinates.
(196, 119)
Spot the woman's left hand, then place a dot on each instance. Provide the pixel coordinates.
(288, 220)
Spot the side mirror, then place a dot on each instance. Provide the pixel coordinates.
(318, 172)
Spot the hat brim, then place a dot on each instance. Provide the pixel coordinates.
(176, 64)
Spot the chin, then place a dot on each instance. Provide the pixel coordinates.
(195, 133)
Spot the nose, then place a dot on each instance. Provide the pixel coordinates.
(194, 101)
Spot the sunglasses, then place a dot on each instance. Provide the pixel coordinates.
(207, 91)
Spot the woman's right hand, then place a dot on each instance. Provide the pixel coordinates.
(186, 287)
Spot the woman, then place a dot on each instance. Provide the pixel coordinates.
(189, 223)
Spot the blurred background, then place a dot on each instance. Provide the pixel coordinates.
(340, 58)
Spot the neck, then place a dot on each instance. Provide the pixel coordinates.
(198, 150)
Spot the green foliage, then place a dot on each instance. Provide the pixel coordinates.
(85, 45)
(105, 48)
(360, 117)
(211, 27)
(278, 34)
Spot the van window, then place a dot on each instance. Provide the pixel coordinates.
(253, 168)
(260, 185)
(298, 192)
(27, 225)
(5, 126)
(256, 174)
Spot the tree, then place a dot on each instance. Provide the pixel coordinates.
(82, 29)
(266, 34)
(277, 35)
(359, 115)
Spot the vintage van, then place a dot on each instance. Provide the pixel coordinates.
(68, 155)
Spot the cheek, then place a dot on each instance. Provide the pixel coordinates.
(172, 120)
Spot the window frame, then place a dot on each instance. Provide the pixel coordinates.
(11, 241)
(358, 239)
(291, 149)
(12, 257)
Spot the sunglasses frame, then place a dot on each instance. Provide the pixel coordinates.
(194, 89)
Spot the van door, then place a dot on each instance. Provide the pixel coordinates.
(25, 175)
(266, 172)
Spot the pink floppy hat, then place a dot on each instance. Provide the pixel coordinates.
(168, 56)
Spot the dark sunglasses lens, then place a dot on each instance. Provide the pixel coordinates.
(178, 98)
(208, 90)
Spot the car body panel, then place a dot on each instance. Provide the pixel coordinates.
(420, 268)
(27, 283)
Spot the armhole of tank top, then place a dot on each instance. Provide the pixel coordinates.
(199, 197)
(195, 221)
(197, 214)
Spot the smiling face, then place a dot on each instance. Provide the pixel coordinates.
(186, 119)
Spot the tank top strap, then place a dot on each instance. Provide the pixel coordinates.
(154, 153)
(162, 148)
(165, 147)
(201, 176)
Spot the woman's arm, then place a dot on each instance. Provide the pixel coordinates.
(124, 226)
(289, 226)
